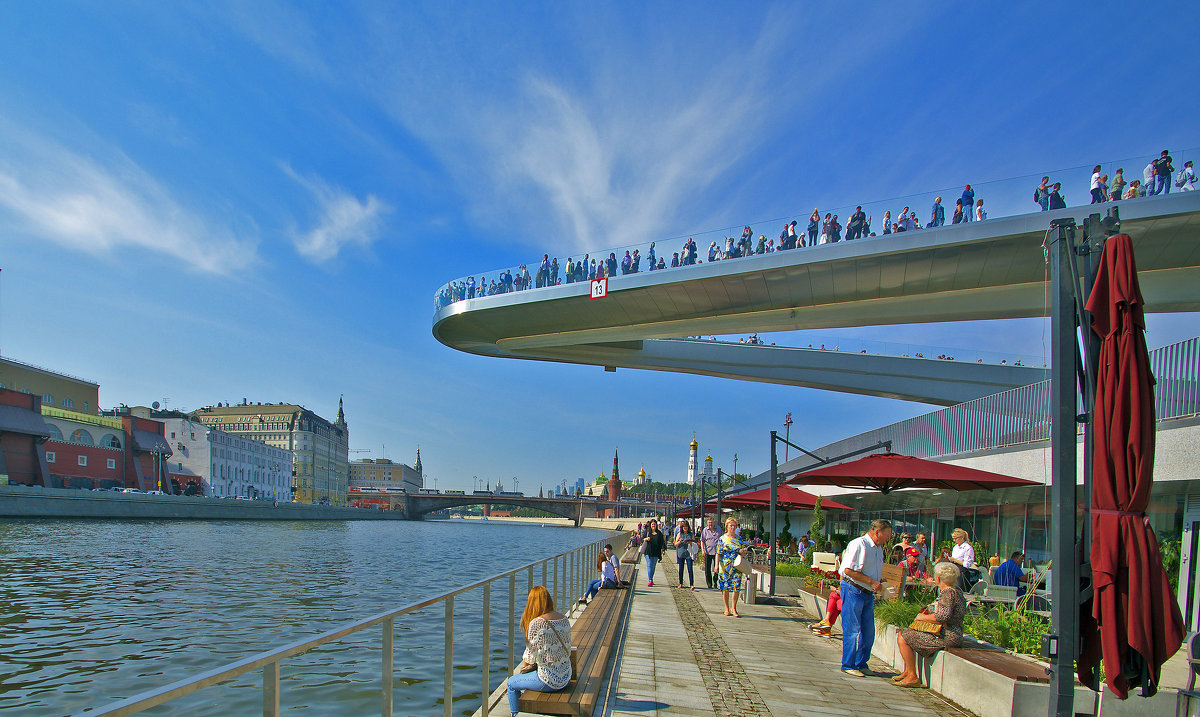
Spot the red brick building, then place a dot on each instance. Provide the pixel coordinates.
(22, 435)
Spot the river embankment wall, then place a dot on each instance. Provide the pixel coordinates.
(22, 502)
(609, 523)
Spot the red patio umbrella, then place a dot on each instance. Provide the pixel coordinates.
(886, 472)
(786, 498)
(1138, 625)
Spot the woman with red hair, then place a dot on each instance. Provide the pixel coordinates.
(546, 664)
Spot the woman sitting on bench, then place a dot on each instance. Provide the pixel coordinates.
(546, 664)
(945, 615)
(833, 609)
(608, 578)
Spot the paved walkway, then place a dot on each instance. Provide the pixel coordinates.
(682, 656)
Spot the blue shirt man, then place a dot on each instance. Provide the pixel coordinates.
(1010, 574)
(968, 200)
(938, 217)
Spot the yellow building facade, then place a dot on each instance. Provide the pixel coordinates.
(320, 448)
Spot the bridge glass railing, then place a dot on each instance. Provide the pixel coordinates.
(856, 345)
(1022, 415)
(499, 598)
(1001, 198)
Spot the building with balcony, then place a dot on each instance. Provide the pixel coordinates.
(319, 448)
(208, 461)
(385, 474)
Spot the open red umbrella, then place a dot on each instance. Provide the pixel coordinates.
(886, 472)
(1138, 625)
(786, 498)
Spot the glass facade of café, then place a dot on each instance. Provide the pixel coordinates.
(1000, 521)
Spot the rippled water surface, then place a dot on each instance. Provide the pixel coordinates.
(96, 611)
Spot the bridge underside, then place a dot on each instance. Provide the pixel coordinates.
(983, 270)
(417, 506)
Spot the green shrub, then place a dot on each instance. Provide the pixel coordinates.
(1170, 558)
(1017, 630)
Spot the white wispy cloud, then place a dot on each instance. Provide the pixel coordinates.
(343, 219)
(95, 205)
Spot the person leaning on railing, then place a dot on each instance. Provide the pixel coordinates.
(947, 612)
(546, 664)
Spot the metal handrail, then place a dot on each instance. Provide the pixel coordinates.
(564, 587)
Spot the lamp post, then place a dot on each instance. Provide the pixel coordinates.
(787, 434)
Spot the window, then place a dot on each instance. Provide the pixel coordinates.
(83, 460)
(83, 438)
(68, 403)
(172, 435)
(112, 463)
(50, 456)
(55, 434)
(47, 398)
(110, 441)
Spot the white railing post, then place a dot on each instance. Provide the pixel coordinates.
(448, 661)
(487, 626)
(271, 689)
(389, 635)
(512, 617)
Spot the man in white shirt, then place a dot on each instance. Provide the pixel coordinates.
(862, 570)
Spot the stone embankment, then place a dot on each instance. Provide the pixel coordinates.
(23, 502)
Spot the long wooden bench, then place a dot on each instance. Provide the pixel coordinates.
(594, 635)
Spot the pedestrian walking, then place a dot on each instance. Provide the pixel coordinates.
(1096, 186)
(729, 580)
(655, 544)
(685, 543)
(938, 217)
(862, 570)
(708, 548)
(1118, 184)
(1186, 181)
(1041, 195)
(1163, 169)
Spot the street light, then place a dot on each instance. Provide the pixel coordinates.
(787, 436)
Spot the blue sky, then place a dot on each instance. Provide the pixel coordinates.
(201, 202)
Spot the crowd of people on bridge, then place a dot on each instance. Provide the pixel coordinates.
(1158, 178)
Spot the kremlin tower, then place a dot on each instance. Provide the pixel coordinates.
(691, 474)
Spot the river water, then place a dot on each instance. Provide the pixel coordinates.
(94, 611)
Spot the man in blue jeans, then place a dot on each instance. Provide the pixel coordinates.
(862, 570)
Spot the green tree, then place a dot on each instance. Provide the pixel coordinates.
(817, 530)
(785, 534)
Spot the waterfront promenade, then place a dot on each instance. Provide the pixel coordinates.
(681, 656)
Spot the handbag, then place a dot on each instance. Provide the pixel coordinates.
(933, 628)
(742, 565)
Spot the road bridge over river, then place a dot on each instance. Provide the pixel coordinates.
(994, 269)
(417, 505)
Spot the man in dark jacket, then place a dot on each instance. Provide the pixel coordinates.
(855, 226)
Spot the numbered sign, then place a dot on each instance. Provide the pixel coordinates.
(599, 288)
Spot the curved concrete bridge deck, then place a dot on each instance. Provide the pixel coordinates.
(994, 269)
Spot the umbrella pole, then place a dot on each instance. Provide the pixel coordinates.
(774, 498)
(1062, 645)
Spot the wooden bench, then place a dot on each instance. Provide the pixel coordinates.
(594, 635)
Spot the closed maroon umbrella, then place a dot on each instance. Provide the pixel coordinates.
(1138, 625)
(886, 472)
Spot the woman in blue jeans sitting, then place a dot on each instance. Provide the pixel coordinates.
(546, 664)
(608, 578)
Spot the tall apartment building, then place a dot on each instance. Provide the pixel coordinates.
(320, 449)
(224, 465)
(383, 474)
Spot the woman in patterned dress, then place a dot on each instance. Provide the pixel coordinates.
(546, 664)
(729, 580)
(948, 611)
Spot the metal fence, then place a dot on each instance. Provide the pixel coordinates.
(1022, 415)
(565, 575)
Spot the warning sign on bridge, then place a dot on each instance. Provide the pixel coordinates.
(599, 288)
